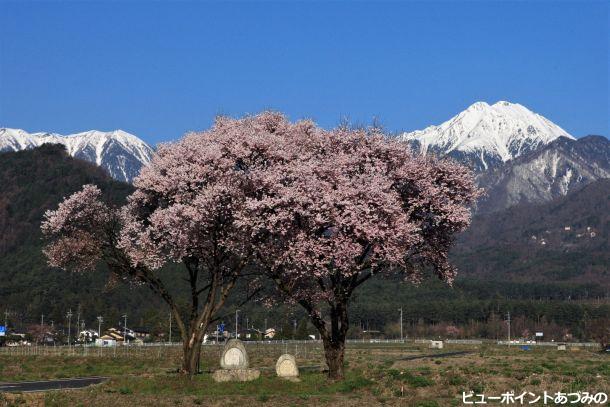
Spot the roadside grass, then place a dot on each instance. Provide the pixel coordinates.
(17, 368)
(375, 375)
(311, 384)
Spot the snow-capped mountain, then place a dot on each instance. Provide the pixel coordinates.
(484, 136)
(555, 170)
(121, 154)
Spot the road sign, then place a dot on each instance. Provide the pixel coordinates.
(221, 328)
(538, 334)
(2, 330)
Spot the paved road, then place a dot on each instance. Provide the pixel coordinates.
(436, 355)
(44, 385)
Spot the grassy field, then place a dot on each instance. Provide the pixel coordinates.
(376, 375)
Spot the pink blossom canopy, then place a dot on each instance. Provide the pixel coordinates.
(188, 197)
(76, 229)
(352, 203)
(309, 204)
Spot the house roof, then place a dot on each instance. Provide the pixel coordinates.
(107, 337)
(141, 329)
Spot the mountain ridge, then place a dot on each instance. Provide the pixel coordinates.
(484, 136)
(120, 153)
(564, 240)
(557, 169)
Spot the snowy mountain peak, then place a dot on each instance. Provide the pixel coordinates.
(478, 106)
(121, 154)
(485, 135)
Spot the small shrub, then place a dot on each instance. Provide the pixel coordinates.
(478, 388)
(410, 378)
(394, 374)
(125, 390)
(425, 370)
(355, 383)
(418, 381)
(455, 380)
(263, 398)
(519, 376)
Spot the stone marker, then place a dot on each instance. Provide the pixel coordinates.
(286, 367)
(234, 355)
(235, 364)
(436, 344)
(236, 375)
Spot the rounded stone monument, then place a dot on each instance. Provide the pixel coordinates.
(286, 367)
(234, 355)
(235, 364)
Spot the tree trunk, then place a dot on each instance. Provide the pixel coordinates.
(333, 339)
(334, 345)
(334, 352)
(191, 353)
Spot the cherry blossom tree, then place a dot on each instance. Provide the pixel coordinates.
(319, 212)
(183, 211)
(345, 206)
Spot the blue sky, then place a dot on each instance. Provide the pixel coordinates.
(159, 69)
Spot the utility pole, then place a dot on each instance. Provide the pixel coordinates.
(41, 327)
(508, 323)
(265, 331)
(170, 328)
(401, 324)
(99, 326)
(125, 330)
(236, 330)
(69, 316)
(78, 322)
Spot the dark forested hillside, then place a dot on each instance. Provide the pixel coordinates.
(32, 182)
(566, 240)
(35, 180)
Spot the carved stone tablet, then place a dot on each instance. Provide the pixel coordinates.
(286, 366)
(234, 355)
